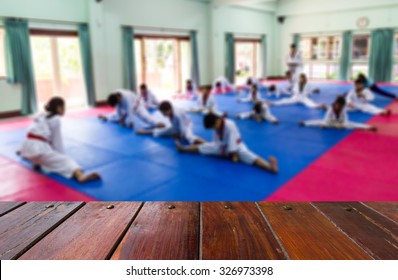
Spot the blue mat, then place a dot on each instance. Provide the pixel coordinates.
(144, 168)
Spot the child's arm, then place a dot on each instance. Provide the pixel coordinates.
(244, 116)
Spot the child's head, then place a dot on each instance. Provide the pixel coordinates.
(258, 107)
(143, 88)
(218, 84)
(359, 85)
(114, 99)
(166, 108)
(206, 90)
(188, 83)
(293, 48)
(288, 75)
(212, 121)
(55, 106)
(272, 88)
(362, 77)
(303, 78)
(249, 82)
(339, 104)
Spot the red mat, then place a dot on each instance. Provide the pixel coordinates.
(18, 183)
(364, 165)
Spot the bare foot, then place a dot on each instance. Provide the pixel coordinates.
(274, 164)
(302, 123)
(141, 132)
(373, 128)
(89, 177)
(179, 146)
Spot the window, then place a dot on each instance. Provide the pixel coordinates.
(247, 58)
(58, 67)
(163, 63)
(2, 54)
(360, 55)
(395, 73)
(321, 56)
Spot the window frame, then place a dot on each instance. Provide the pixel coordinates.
(4, 76)
(256, 60)
(360, 62)
(179, 38)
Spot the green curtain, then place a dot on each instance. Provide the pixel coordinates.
(345, 59)
(85, 49)
(230, 57)
(382, 55)
(19, 62)
(129, 73)
(264, 55)
(195, 75)
(296, 40)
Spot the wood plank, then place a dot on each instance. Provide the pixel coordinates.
(388, 209)
(306, 234)
(6, 207)
(162, 231)
(375, 233)
(28, 224)
(236, 231)
(91, 234)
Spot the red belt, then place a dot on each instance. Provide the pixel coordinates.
(37, 137)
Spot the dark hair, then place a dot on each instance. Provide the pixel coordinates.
(287, 73)
(113, 99)
(210, 120)
(362, 77)
(189, 81)
(293, 46)
(218, 84)
(143, 86)
(258, 107)
(52, 106)
(359, 81)
(272, 88)
(249, 81)
(165, 106)
(207, 89)
(340, 100)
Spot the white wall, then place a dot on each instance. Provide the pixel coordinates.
(314, 16)
(46, 12)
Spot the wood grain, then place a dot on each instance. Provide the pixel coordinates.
(388, 209)
(6, 207)
(375, 233)
(91, 234)
(236, 231)
(26, 225)
(162, 231)
(306, 234)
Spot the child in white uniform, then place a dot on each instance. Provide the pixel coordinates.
(127, 105)
(148, 97)
(359, 98)
(44, 147)
(206, 103)
(228, 143)
(294, 61)
(337, 117)
(301, 94)
(221, 86)
(276, 91)
(253, 96)
(180, 127)
(260, 112)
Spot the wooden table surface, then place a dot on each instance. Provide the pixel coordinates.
(191, 231)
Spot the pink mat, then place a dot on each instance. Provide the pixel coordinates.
(21, 184)
(362, 167)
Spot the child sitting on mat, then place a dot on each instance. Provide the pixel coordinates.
(180, 127)
(228, 143)
(148, 97)
(206, 102)
(44, 148)
(253, 96)
(337, 117)
(221, 86)
(301, 94)
(190, 90)
(260, 112)
(276, 91)
(359, 98)
(127, 105)
(375, 88)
